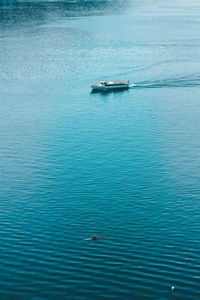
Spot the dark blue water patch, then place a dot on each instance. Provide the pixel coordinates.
(19, 13)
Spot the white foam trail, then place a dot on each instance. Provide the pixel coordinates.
(192, 80)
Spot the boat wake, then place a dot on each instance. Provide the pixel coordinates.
(183, 81)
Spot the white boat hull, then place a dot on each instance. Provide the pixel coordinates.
(107, 88)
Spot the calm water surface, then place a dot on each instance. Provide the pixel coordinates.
(124, 165)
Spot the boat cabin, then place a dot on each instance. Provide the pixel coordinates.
(111, 83)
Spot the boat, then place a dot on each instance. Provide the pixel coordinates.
(104, 85)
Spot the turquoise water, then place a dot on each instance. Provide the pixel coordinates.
(124, 165)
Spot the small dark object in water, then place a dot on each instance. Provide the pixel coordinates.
(94, 238)
(97, 237)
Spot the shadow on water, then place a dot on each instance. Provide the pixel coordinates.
(107, 94)
(183, 81)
